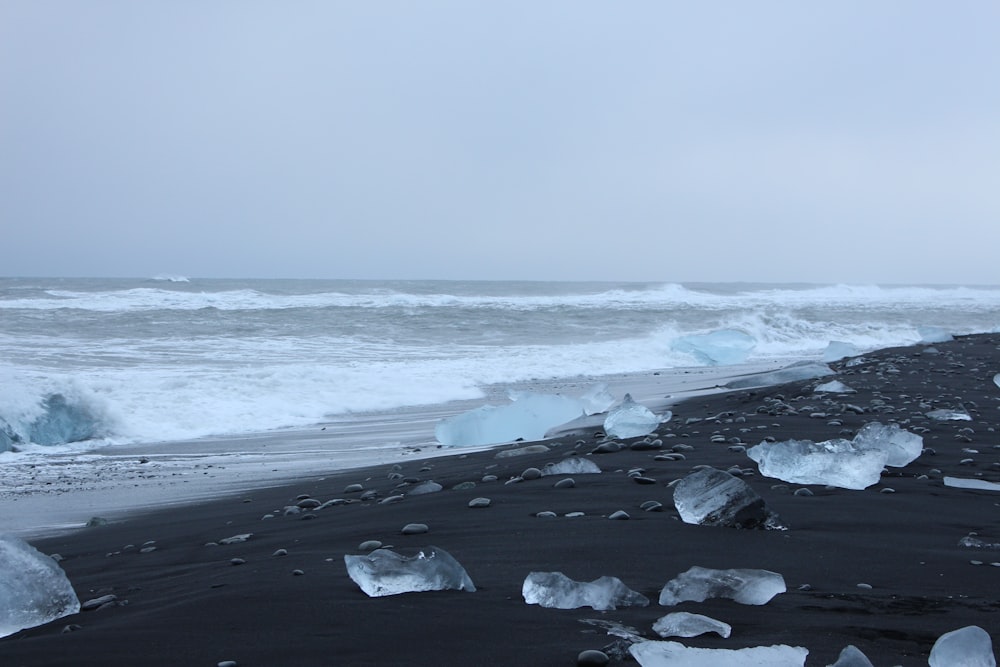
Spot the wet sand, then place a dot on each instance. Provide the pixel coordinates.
(880, 568)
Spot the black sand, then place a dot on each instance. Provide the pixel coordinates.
(185, 603)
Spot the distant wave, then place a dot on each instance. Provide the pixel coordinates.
(165, 277)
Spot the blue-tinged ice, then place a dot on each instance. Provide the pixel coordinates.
(837, 350)
(930, 335)
(384, 572)
(801, 370)
(712, 497)
(685, 624)
(571, 465)
(900, 446)
(852, 656)
(996, 379)
(631, 420)
(831, 462)
(597, 399)
(33, 588)
(528, 417)
(557, 591)
(718, 348)
(675, 654)
(944, 415)
(746, 586)
(964, 483)
(970, 646)
(54, 420)
(834, 387)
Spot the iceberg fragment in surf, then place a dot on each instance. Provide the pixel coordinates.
(930, 335)
(528, 417)
(675, 654)
(843, 463)
(684, 624)
(802, 370)
(33, 588)
(970, 646)
(557, 591)
(746, 586)
(384, 572)
(54, 420)
(837, 350)
(723, 347)
(631, 420)
(711, 497)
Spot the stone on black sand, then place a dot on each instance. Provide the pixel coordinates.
(592, 658)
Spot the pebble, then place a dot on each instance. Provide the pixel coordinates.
(803, 492)
(592, 658)
(489, 478)
(237, 561)
(866, 587)
(567, 483)
(388, 500)
(415, 529)
(641, 479)
(620, 515)
(97, 603)
(531, 473)
(353, 488)
(480, 502)
(297, 573)
(464, 486)
(370, 545)
(574, 515)
(309, 503)
(227, 663)
(546, 515)
(607, 448)
(371, 494)
(651, 506)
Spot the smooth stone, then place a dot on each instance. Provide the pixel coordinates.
(639, 479)
(489, 478)
(227, 663)
(546, 515)
(237, 561)
(388, 500)
(607, 448)
(309, 503)
(651, 506)
(280, 552)
(531, 473)
(97, 603)
(567, 483)
(480, 502)
(370, 545)
(620, 515)
(297, 573)
(464, 486)
(353, 488)
(592, 658)
(415, 529)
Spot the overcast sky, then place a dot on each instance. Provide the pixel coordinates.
(841, 141)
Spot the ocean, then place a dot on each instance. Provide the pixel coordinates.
(171, 358)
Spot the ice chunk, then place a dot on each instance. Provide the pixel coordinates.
(571, 465)
(718, 348)
(675, 654)
(963, 483)
(745, 586)
(712, 497)
(832, 462)
(597, 399)
(970, 646)
(527, 418)
(837, 350)
(996, 379)
(33, 588)
(557, 591)
(802, 370)
(630, 420)
(384, 572)
(934, 335)
(852, 656)
(900, 445)
(834, 387)
(683, 624)
(949, 415)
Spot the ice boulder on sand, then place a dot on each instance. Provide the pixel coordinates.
(384, 572)
(632, 420)
(900, 446)
(675, 654)
(837, 350)
(528, 417)
(970, 646)
(711, 497)
(745, 586)
(684, 624)
(800, 370)
(557, 591)
(718, 348)
(33, 588)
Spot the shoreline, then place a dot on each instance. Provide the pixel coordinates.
(880, 569)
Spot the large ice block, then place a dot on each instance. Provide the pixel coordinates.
(675, 654)
(33, 588)
(630, 420)
(556, 590)
(970, 646)
(711, 497)
(746, 586)
(384, 572)
(832, 462)
(900, 446)
(528, 417)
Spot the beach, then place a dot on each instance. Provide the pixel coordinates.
(881, 568)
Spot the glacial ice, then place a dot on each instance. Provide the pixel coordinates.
(965, 483)
(831, 462)
(526, 418)
(745, 586)
(934, 335)
(970, 646)
(630, 420)
(834, 387)
(675, 654)
(58, 420)
(837, 350)
(852, 656)
(901, 446)
(597, 399)
(384, 572)
(684, 624)
(802, 370)
(996, 379)
(555, 590)
(712, 497)
(33, 588)
(723, 347)
(571, 465)
(949, 415)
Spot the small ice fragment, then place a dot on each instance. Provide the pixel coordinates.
(831, 462)
(384, 572)
(675, 654)
(802, 370)
(934, 335)
(557, 591)
(615, 629)
(996, 379)
(970, 646)
(852, 656)
(528, 417)
(745, 586)
(684, 624)
(901, 446)
(571, 465)
(837, 350)
(718, 348)
(949, 415)
(971, 542)
(711, 497)
(964, 483)
(630, 420)
(33, 588)
(834, 387)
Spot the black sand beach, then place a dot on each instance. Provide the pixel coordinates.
(880, 568)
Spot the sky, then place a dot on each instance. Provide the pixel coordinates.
(855, 141)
